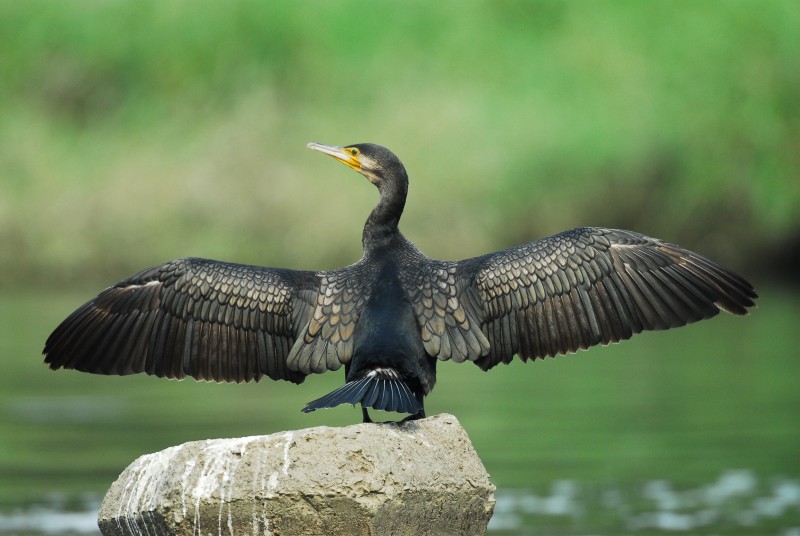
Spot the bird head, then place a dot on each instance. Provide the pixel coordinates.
(378, 164)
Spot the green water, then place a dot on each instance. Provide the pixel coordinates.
(687, 408)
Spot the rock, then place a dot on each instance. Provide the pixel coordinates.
(420, 477)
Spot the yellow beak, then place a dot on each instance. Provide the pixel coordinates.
(339, 153)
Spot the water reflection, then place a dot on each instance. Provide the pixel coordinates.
(55, 515)
(735, 503)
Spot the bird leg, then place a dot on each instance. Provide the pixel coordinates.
(365, 414)
(416, 416)
(421, 413)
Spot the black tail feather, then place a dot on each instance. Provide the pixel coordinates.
(372, 392)
(371, 397)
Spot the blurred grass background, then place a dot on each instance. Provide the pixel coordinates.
(132, 133)
(137, 132)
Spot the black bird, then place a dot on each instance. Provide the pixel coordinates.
(390, 316)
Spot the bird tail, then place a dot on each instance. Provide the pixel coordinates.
(372, 391)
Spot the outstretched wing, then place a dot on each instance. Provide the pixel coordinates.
(206, 319)
(327, 340)
(591, 286)
(448, 326)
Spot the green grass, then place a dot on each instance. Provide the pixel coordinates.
(136, 133)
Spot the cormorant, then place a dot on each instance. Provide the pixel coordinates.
(390, 316)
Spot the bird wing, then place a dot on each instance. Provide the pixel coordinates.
(206, 319)
(326, 341)
(589, 286)
(449, 324)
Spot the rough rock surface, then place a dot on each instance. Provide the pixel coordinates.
(420, 477)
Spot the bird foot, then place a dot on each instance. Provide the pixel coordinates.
(416, 416)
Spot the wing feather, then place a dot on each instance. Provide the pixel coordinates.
(206, 319)
(327, 339)
(589, 286)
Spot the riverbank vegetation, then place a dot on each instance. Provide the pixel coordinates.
(138, 133)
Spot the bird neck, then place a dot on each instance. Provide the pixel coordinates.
(381, 225)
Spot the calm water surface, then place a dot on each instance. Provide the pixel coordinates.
(692, 431)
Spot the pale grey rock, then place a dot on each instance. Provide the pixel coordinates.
(417, 478)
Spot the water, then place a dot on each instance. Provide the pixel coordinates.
(735, 503)
(693, 431)
(53, 516)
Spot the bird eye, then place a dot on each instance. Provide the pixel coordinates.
(353, 151)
